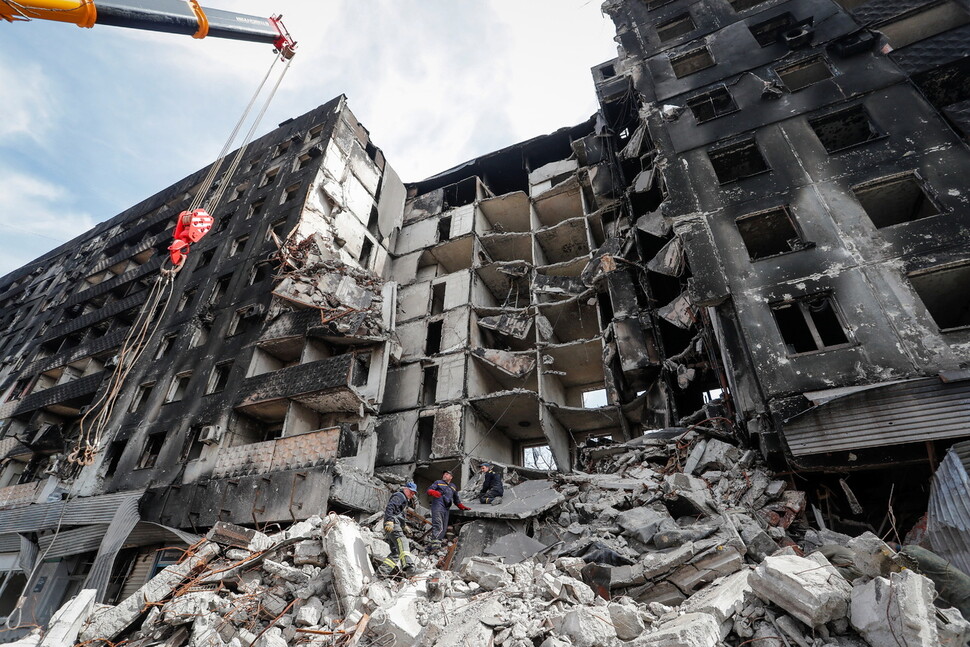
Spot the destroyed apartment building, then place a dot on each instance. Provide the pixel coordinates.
(762, 235)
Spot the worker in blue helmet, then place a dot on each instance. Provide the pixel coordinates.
(492, 489)
(394, 518)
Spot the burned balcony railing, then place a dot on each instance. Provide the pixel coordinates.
(325, 385)
(72, 395)
(293, 452)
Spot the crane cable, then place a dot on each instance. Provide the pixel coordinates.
(142, 331)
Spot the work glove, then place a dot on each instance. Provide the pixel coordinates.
(462, 506)
(435, 493)
(388, 526)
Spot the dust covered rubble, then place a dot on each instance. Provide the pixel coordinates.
(687, 541)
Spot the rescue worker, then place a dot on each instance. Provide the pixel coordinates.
(492, 488)
(394, 517)
(443, 493)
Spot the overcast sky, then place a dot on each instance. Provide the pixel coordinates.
(95, 120)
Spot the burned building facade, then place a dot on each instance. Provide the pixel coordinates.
(763, 232)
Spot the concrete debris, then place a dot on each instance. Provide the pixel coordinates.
(811, 589)
(898, 609)
(667, 541)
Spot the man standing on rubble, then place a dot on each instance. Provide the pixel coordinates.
(492, 488)
(394, 518)
(443, 493)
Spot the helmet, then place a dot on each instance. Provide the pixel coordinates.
(485, 464)
(411, 486)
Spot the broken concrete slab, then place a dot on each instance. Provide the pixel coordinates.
(627, 621)
(811, 589)
(897, 610)
(347, 554)
(707, 567)
(523, 501)
(514, 548)
(65, 625)
(643, 522)
(724, 598)
(688, 630)
(487, 573)
(587, 627)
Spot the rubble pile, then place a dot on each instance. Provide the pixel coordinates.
(349, 298)
(679, 541)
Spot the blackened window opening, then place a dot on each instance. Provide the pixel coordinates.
(682, 24)
(444, 229)
(843, 129)
(742, 5)
(768, 32)
(895, 200)
(804, 73)
(115, 451)
(769, 233)
(366, 251)
(437, 298)
(713, 104)
(425, 437)
(945, 295)
(433, 341)
(153, 447)
(810, 324)
(429, 387)
(691, 62)
(737, 161)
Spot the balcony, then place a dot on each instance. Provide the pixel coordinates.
(295, 452)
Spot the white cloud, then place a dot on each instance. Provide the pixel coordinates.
(26, 101)
(29, 205)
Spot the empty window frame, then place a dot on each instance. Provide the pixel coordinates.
(113, 456)
(711, 105)
(691, 62)
(242, 322)
(256, 207)
(141, 396)
(290, 193)
(239, 192)
(769, 233)
(737, 161)
(538, 457)
(843, 129)
(192, 450)
(238, 245)
(810, 324)
(219, 378)
(438, 298)
(945, 295)
(278, 228)
(269, 176)
(314, 133)
(153, 447)
(165, 345)
(744, 5)
(253, 165)
(432, 343)
(205, 259)
(303, 161)
(803, 73)
(678, 26)
(769, 31)
(894, 200)
(595, 398)
(366, 252)
(220, 289)
(281, 149)
(444, 229)
(922, 23)
(186, 299)
(180, 383)
(429, 386)
(261, 272)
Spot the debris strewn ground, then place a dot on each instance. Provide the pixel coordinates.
(665, 541)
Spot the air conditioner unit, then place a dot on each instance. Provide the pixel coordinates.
(210, 434)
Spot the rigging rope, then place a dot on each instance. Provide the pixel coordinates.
(95, 420)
